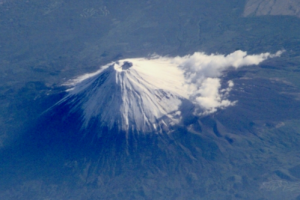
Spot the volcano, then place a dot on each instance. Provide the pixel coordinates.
(133, 94)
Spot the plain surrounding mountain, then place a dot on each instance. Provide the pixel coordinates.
(246, 151)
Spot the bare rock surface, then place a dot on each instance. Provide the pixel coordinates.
(272, 7)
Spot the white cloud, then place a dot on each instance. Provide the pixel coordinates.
(202, 72)
(210, 97)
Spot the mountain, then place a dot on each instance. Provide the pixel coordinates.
(134, 95)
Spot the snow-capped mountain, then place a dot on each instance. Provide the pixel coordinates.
(132, 94)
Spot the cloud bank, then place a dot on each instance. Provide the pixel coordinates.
(202, 74)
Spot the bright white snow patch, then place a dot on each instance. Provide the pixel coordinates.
(144, 95)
